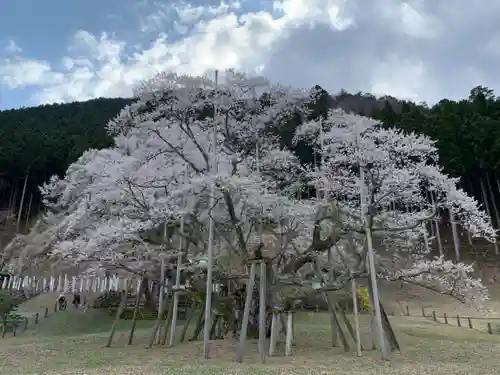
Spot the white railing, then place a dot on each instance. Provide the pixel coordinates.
(65, 284)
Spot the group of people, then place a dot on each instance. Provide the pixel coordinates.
(63, 303)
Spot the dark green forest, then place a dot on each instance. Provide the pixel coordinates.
(41, 141)
(38, 142)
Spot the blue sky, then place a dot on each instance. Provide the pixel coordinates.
(43, 28)
(57, 51)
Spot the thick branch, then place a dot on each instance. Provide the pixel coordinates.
(235, 222)
(402, 229)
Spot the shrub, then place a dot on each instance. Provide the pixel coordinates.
(8, 303)
(8, 308)
(363, 299)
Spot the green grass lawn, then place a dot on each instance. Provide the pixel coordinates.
(72, 342)
(77, 322)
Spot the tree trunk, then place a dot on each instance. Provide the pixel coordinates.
(389, 334)
(426, 238)
(456, 241)
(487, 208)
(2, 188)
(471, 193)
(334, 310)
(21, 204)
(26, 225)
(12, 205)
(254, 314)
(493, 200)
(429, 195)
(389, 331)
(437, 222)
(12, 195)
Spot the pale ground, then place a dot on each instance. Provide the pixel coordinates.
(70, 343)
(397, 298)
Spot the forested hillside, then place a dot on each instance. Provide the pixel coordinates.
(38, 142)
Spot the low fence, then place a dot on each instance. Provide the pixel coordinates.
(14, 327)
(482, 324)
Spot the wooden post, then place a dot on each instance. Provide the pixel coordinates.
(161, 297)
(46, 314)
(459, 322)
(289, 333)
(14, 329)
(262, 311)
(168, 319)
(490, 331)
(470, 322)
(434, 315)
(445, 318)
(356, 316)
(407, 311)
(189, 317)
(119, 312)
(175, 307)
(157, 332)
(423, 311)
(246, 314)
(274, 334)
(37, 316)
(142, 286)
(334, 330)
(25, 327)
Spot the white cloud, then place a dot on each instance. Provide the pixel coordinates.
(12, 48)
(18, 72)
(417, 49)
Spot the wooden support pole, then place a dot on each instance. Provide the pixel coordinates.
(289, 333)
(246, 314)
(274, 334)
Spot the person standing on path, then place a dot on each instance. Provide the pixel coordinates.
(76, 300)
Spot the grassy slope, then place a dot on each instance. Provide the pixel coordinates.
(72, 342)
(61, 348)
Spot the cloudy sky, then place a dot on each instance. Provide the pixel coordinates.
(62, 50)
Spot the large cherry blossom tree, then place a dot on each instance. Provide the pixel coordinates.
(161, 155)
(392, 172)
(121, 208)
(117, 201)
(399, 169)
